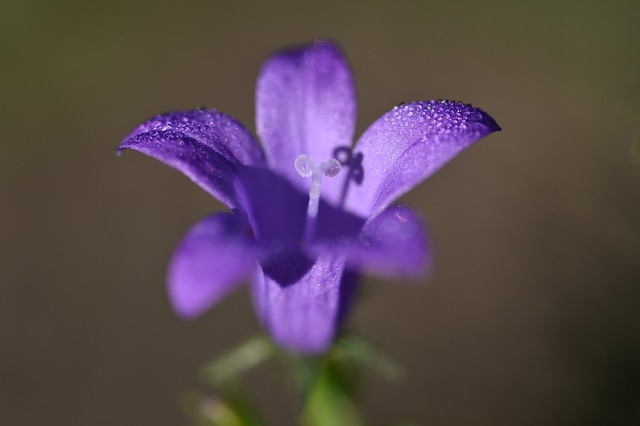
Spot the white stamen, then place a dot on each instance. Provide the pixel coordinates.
(305, 166)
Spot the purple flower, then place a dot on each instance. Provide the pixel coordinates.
(309, 214)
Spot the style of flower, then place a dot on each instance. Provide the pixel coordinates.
(309, 214)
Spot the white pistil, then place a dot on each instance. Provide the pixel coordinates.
(306, 167)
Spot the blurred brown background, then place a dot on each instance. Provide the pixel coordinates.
(532, 316)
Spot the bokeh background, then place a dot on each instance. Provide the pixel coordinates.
(532, 315)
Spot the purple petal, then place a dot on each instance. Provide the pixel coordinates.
(276, 210)
(407, 145)
(214, 257)
(207, 146)
(392, 245)
(305, 104)
(305, 316)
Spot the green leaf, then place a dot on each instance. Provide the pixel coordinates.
(357, 350)
(231, 365)
(217, 411)
(330, 402)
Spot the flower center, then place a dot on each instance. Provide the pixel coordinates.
(306, 167)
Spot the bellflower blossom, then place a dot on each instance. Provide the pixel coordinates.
(308, 214)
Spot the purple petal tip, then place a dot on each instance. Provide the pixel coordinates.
(488, 121)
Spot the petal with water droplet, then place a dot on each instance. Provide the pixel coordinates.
(407, 145)
(207, 146)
